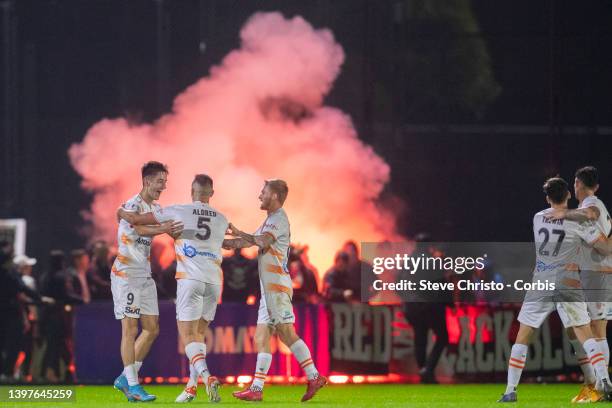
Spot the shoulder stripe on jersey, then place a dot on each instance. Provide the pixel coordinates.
(180, 275)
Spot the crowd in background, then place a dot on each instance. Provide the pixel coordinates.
(37, 299)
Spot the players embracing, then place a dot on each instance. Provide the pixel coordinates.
(198, 273)
(561, 247)
(595, 269)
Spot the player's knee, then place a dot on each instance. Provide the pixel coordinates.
(260, 339)
(152, 331)
(129, 331)
(287, 334)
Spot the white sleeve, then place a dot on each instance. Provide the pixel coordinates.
(589, 233)
(590, 201)
(166, 214)
(131, 206)
(274, 226)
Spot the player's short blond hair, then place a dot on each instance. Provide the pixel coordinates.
(280, 188)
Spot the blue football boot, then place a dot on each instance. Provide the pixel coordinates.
(137, 393)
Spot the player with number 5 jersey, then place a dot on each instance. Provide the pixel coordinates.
(198, 273)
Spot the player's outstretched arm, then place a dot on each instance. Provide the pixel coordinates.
(578, 215)
(236, 243)
(262, 241)
(172, 228)
(137, 219)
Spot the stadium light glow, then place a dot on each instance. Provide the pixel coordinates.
(244, 379)
(338, 379)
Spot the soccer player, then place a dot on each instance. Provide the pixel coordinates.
(275, 308)
(133, 288)
(198, 274)
(594, 268)
(558, 246)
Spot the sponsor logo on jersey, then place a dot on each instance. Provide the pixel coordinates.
(191, 252)
(132, 310)
(542, 266)
(143, 241)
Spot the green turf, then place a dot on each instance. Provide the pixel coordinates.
(530, 395)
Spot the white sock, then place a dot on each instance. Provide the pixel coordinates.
(193, 377)
(137, 364)
(605, 349)
(196, 353)
(584, 362)
(593, 350)
(302, 354)
(131, 374)
(264, 360)
(518, 356)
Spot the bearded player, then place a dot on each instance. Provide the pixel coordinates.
(594, 269)
(275, 309)
(198, 274)
(133, 288)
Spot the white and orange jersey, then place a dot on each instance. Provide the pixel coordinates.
(594, 260)
(133, 251)
(198, 249)
(559, 244)
(272, 261)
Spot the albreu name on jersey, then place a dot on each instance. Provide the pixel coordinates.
(134, 251)
(558, 245)
(198, 249)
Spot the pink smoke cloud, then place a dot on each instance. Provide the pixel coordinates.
(258, 115)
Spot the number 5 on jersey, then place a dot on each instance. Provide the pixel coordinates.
(202, 225)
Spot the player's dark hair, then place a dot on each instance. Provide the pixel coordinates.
(203, 180)
(151, 168)
(280, 188)
(588, 175)
(556, 189)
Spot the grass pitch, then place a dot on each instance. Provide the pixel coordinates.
(277, 396)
